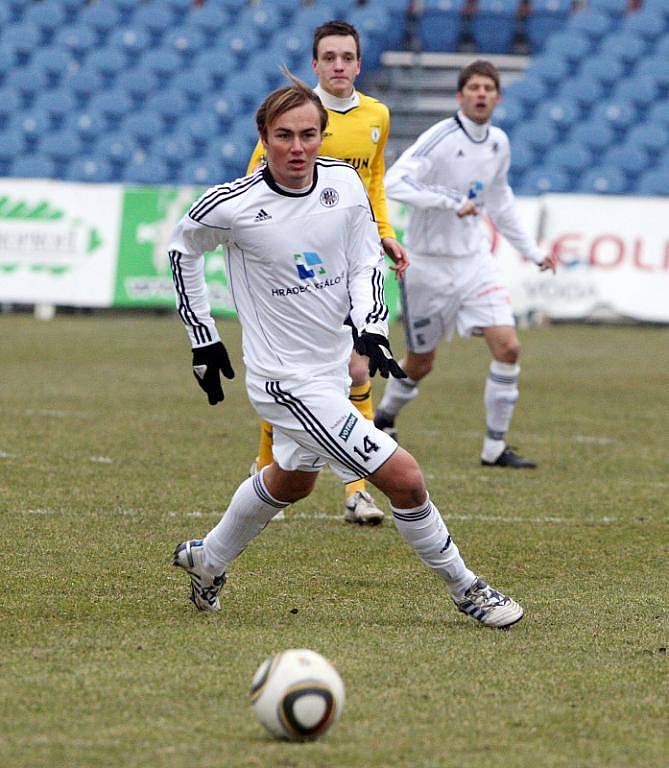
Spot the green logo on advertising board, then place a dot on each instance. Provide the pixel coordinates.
(40, 237)
(143, 276)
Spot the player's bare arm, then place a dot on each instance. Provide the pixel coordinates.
(396, 252)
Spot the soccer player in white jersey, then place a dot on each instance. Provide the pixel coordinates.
(447, 177)
(303, 253)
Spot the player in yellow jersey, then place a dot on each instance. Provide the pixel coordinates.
(357, 132)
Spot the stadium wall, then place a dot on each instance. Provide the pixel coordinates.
(105, 245)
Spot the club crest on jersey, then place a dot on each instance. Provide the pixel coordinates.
(375, 134)
(313, 260)
(329, 197)
(475, 189)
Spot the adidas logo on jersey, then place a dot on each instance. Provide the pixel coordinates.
(262, 215)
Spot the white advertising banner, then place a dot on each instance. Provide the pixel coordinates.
(613, 258)
(58, 242)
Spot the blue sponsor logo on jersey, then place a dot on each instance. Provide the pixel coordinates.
(314, 265)
(475, 189)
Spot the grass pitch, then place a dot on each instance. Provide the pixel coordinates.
(110, 455)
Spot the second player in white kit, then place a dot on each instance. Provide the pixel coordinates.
(452, 173)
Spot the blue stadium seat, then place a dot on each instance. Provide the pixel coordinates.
(155, 22)
(543, 180)
(550, 67)
(48, 17)
(195, 85)
(27, 81)
(307, 18)
(138, 83)
(185, 42)
(522, 158)
(615, 8)
(509, 112)
(10, 105)
(55, 63)
(572, 157)
(572, 47)
(168, 104)
(116, 148)
(440, 25)
(114, 105)
(603, 180)
(657, 6)
(538, 134)
(146, 170)
(92, 169)
(77, 39)
(5, 16)
(292, 46)
(494, 25)
(646, 23)
(396, 12)
(545, 18)
(102, 18)
(585, 91)
(143, 127)
(22, 38)
(31, 124)
(175, 149)
(597, 135)
(561, 112)
(56, 104)
(631, 160)
(222, 107)
(661, 50)
(64, 145)
(529, 90)
(132, 40)
(625, 46)
(264, 19)
(642, 91)
(12, 145)
(108, 62)
(241, 42)
(605, 69)
(247, 89)
(652, 138)
(655, 182)
(201, 127)
(164, 64)
(180, 8)
(209, 19)
(618, 113)
(88, 124)
(591, 23)
(216, 64)
(656, 67)
(33, 167)
(658, 114)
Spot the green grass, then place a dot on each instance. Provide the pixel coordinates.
(109, 456)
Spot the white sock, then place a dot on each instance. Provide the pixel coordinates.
(250, 509)
(425, 531)
(501, 394)
(397, 394)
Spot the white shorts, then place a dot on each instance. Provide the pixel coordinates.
(440, 294)
(316, 424)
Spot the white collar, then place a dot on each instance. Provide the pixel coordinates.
(477, 131)
(335, 103)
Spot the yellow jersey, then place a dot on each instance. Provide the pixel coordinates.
(358, 136)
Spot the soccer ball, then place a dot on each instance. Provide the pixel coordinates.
(297, 694)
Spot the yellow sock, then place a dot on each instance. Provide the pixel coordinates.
(361, 397)
(265, 447)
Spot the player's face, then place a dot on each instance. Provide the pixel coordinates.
(478, 98)
(292, 144)
(337, 64)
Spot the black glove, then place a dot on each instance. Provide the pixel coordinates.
(376, 348)
(207, 362)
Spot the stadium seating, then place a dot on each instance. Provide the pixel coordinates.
(494, 25)
(547, 16)
(440, 24)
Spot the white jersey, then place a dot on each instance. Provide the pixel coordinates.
(454, 161)
(298, 263)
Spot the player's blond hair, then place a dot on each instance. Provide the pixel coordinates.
(283, 99)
